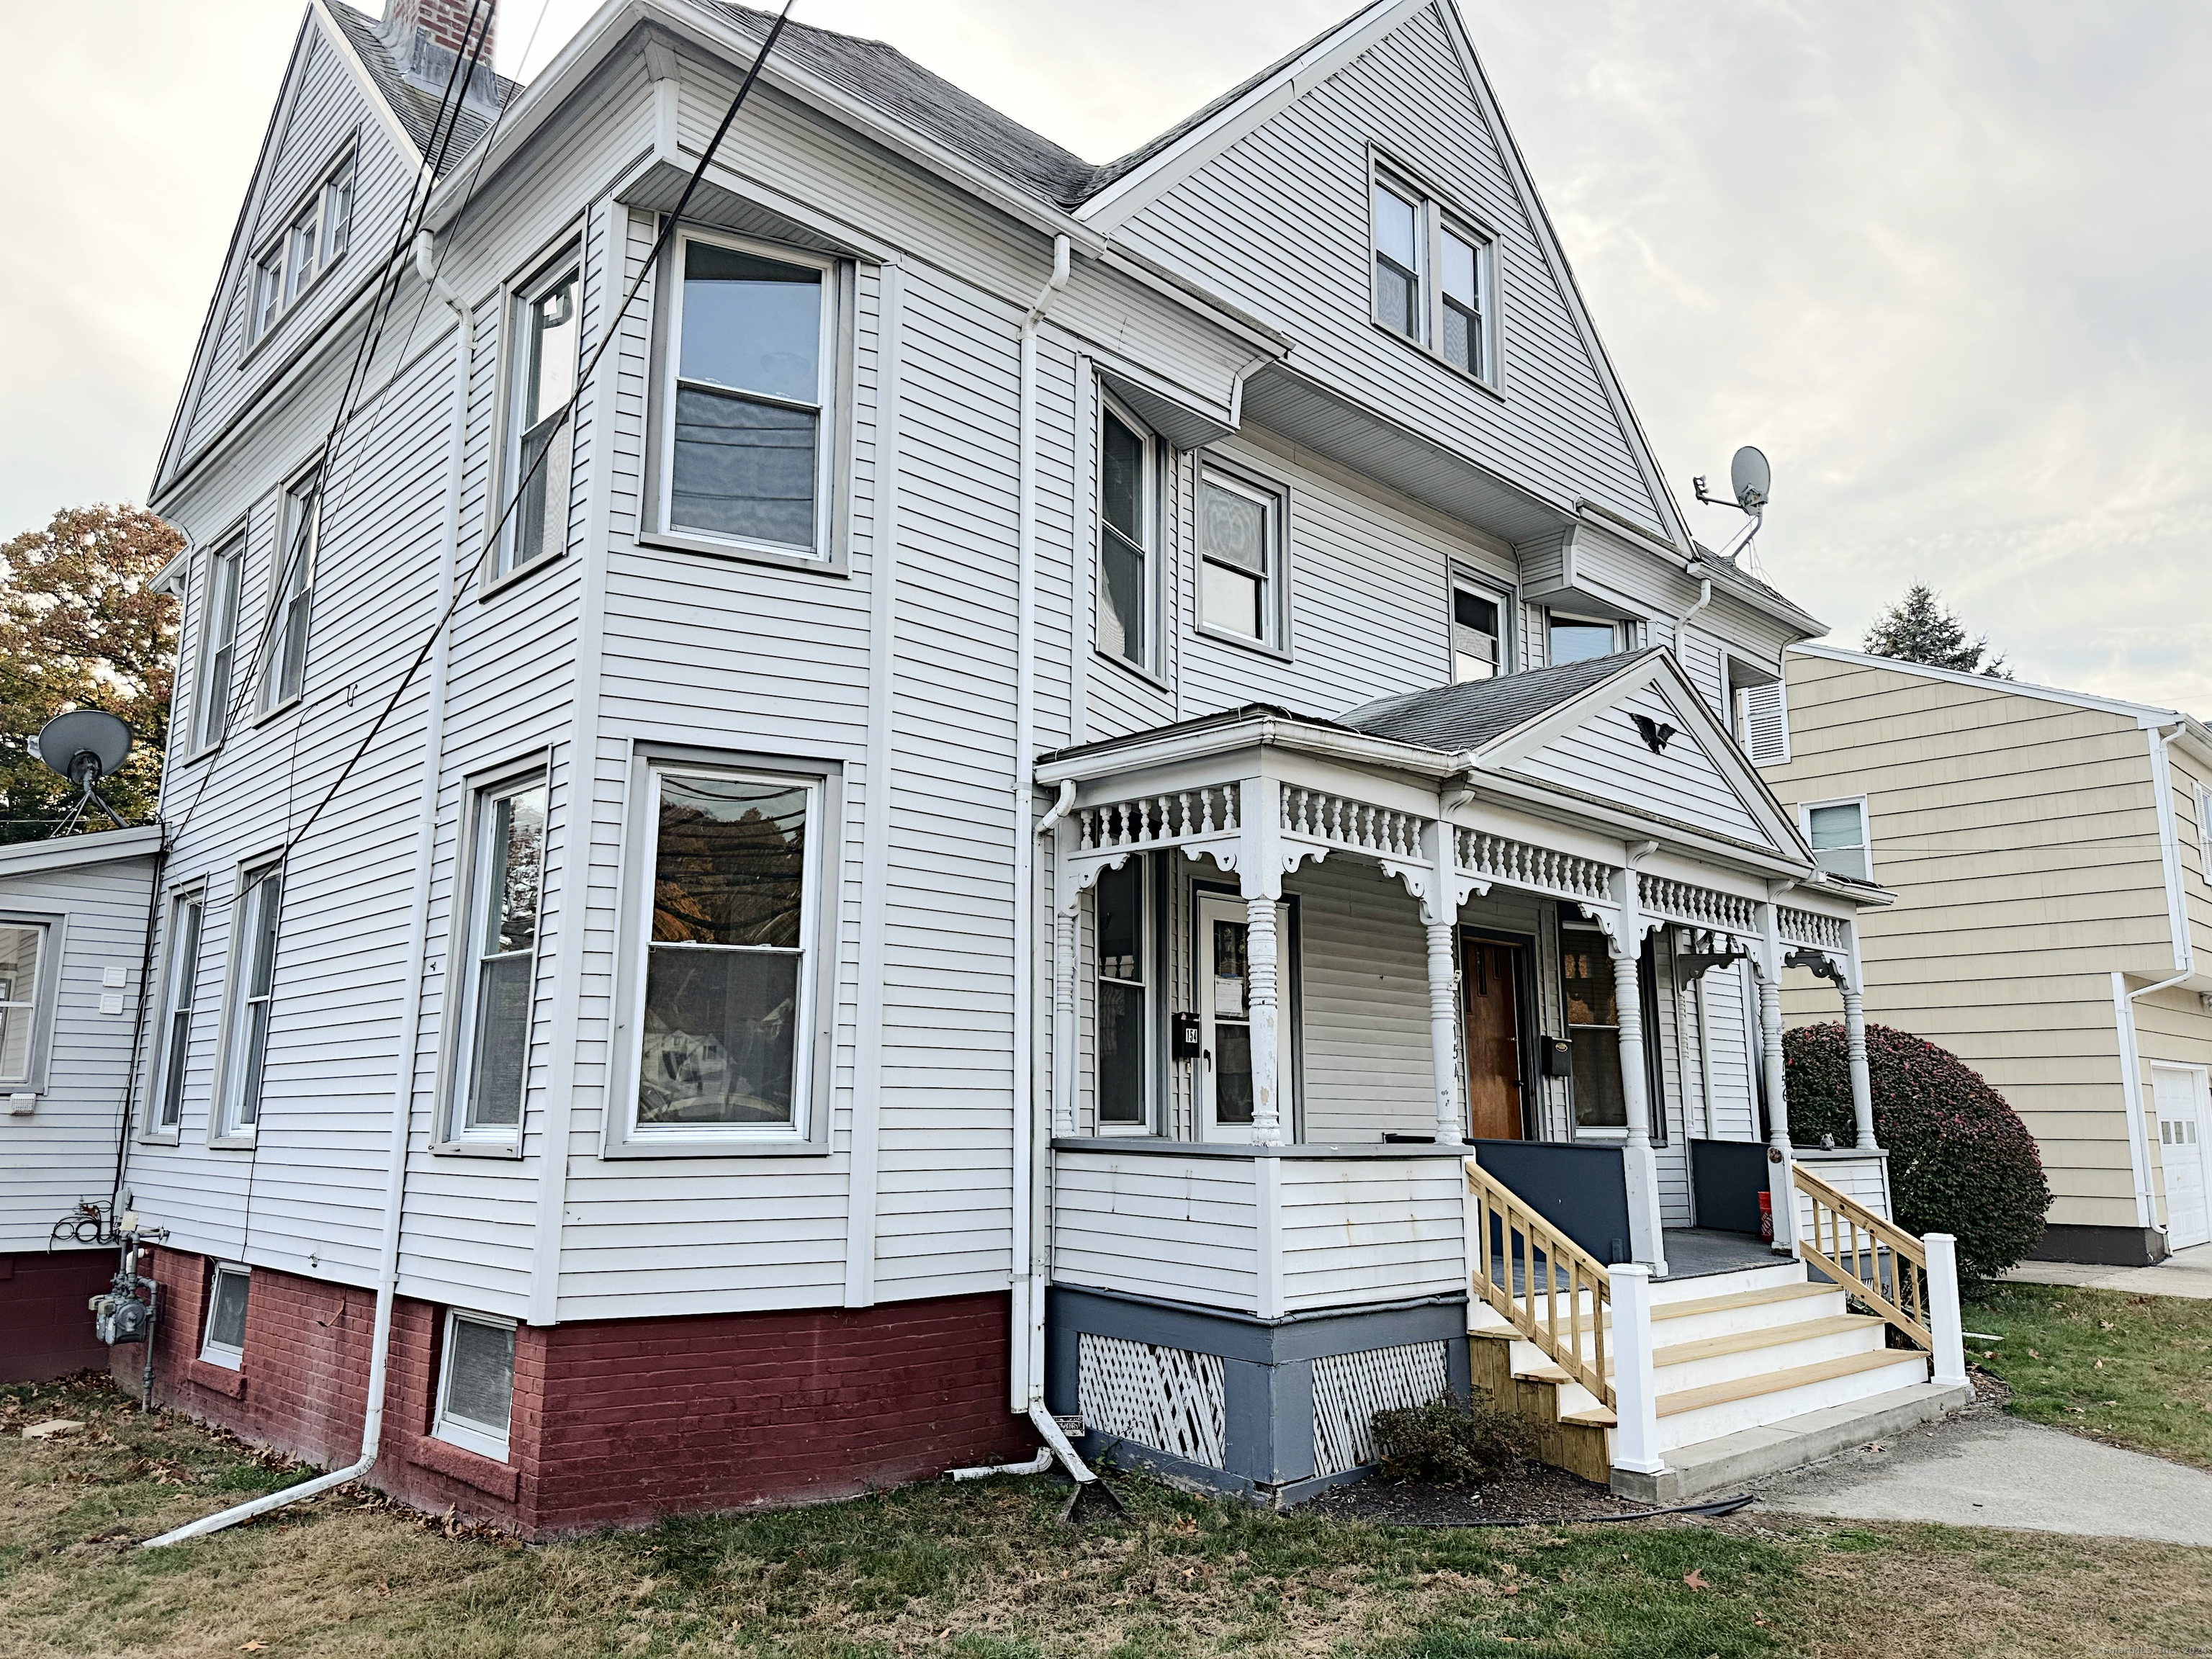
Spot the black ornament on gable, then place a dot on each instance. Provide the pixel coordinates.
(1655, 732)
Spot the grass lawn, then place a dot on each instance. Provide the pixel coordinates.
(2133, 1370)
(985, 1572)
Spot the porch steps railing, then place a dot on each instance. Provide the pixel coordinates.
(1532, 1272)
(1883, 1265)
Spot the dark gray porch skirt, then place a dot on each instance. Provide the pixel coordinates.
(1268, 1441)
(2117, 1247)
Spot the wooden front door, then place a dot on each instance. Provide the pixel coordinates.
(1490, 972)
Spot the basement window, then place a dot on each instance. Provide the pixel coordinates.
(224, 1343)
(476, 1385)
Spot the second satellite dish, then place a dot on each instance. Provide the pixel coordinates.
(1751, 479)
(84, 745)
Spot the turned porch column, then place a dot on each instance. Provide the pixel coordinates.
(1781, 1190)
(1639, 1161)
(1855, 1048)
(1262, 952)
(1443, 1029)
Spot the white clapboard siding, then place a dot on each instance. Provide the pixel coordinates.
(62, 1152)
(1181, 1227)
(1863, 1177)
(1607, 758)
(1363, 997)
(1371, 1229)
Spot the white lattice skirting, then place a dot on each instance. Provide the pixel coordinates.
(1349, 1389)
(1168, 1399)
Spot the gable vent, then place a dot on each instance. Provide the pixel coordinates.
(1763, 724)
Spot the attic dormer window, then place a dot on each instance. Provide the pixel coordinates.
(1433, 276)
(312, 241)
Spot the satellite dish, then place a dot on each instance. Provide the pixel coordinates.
(84, 745)
(1751, 479)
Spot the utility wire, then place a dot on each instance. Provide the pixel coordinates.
(611, 332)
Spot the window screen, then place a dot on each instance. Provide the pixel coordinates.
(1123, 1013)
(1573, 640)
(480, 1374)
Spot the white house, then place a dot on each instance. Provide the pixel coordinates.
(994, 810)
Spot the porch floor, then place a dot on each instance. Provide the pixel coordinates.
(1700, 1252)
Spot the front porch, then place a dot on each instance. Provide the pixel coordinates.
(1303, 973)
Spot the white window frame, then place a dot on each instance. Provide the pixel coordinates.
(1148, 526)
(466, 960)
(464, 1433)
(1865, 848)
(212, 1352)
(1275, 583)
(1148, 982)
(1490, 593)
(279, 278)
(180, 984)
(1552, 617)
(291, 596)
(239, 1072)
(220, 601)
(834, 441)
(808, 1131)
(39, 1004)
(564, 266)
(1433, 218)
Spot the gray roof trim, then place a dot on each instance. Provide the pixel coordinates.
(26, 857)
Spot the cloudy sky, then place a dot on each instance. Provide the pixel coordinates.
(1946, 262)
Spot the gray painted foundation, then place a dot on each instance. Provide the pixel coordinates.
(1268, 1454)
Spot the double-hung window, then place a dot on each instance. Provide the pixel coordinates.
(179, 989)
(751, 376)
(218, 643)
(476, 1384)
(292, 574)
(1578, 639)
(1837, 831)
(541, 382)
(23, 968)
(1124, 1019)
(312, 241)
(1127, 467)
(224, 1341)
(252, 982)
(1593, 1028)
(1477, 638)
(1240, 558)
(1434, 274)
(501, 961)
(723, 1001)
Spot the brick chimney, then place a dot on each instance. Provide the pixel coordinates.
(425, 36)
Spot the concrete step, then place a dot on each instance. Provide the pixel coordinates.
(1748, 1402)
(1725, 1463)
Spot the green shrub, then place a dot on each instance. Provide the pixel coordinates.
(1448, 1442)
(1961, 1161)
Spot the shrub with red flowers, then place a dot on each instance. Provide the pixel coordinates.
(1961, 1161)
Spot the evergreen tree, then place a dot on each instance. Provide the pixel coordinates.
(1918, 628)
(78, 629)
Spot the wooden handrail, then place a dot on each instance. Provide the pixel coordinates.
(1906, 1304)
(1536, 1313)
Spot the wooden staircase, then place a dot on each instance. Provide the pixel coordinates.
(1753, 1370)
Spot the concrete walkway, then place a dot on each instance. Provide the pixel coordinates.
(2185, 1273)
(1982, 1469)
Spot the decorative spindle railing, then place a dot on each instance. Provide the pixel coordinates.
(1157, 820)
(1538, 869)
(1700, 907)
(1340, 821)
(1810, 928)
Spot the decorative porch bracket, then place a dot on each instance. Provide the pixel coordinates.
(1829, 946)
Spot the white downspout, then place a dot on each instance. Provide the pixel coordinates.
(418, 929)
(1030, 1149)
(2124, 1000)
(1697, 568)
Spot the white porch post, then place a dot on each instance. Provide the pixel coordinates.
(1443, 1029)
(1854, 1046)
(1635, 1393)
(1065, 1036)
(1944, 1322)
(1639, 1163)
(1781, 1189)
(1260, 878)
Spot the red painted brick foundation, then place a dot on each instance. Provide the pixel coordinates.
(45, 1328)
(615, 1422)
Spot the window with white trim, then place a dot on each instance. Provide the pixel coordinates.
(1578, 639)
(1127, 529)
(23, 970)
(224, 1341)
(314, 240)
(1836, 832)
(218, 643)
(1124, 1021)
(500, 972)
(724, 1000)
(476, 1384)
(547, 333)
(1433, 276)
(747, 391)
(179, 989)
(252, 980)
(1240, 558)
(1478, 631)
(292, 574)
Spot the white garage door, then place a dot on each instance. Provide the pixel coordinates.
(2178, 1095)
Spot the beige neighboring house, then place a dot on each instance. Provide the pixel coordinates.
(2051, 856)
